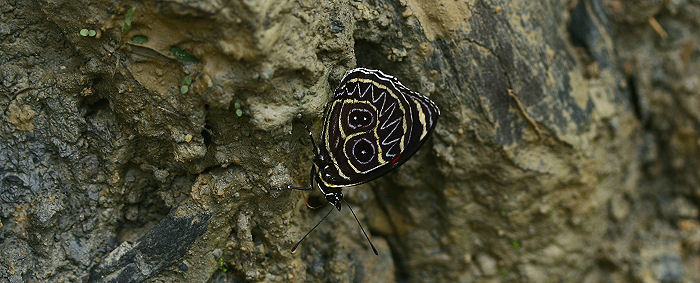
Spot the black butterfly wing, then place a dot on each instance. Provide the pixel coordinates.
(372, 125)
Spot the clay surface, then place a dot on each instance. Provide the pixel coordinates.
(146, 147)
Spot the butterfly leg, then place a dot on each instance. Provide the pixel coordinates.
(294, 188)
(311, 184)
(302, 189)
(307, 202)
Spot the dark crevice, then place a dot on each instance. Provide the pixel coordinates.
(131, 230)
(400, 268)
(635, 99)
(257, 234)
(587, 30)
(371, 55)
(143, 207)
(580, 28)
(207, 133)
(92, 106)
(258, 238)
(92, 99)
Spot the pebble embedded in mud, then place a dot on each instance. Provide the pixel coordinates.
(619, 208)
(21, 117)
(487, 264)
(425, 49)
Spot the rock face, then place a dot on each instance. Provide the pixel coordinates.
(141, 141)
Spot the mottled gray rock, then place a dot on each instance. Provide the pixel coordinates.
(163, 245)
(567, 149)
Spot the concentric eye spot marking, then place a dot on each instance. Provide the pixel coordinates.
(360, 117)
(363, 150)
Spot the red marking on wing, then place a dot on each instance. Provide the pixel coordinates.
(396, 159)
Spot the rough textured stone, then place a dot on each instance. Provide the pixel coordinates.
(567, 150)
(163, 245)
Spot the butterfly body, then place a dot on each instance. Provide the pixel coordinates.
(373, 125)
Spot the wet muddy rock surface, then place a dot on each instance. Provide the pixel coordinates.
(142, 141)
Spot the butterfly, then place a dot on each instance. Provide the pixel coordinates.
(373, 125)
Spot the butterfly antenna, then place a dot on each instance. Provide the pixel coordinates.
(312, 229)
(311, 137)
(363, 229)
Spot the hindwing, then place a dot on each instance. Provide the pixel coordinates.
(373, 124)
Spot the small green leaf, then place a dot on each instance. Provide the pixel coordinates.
(239, 112)
(127, 19)
(602, 177)
(237, 105)
(129, 15)
(516, 244)
(184, 89)
(222, 266)
(92, 32)
(126, 27)
(84, 32)
(182, 55)
(139, 39)
(186, 81)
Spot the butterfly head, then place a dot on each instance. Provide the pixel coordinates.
(335, 198)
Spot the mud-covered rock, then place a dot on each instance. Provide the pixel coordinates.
(147, 149)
